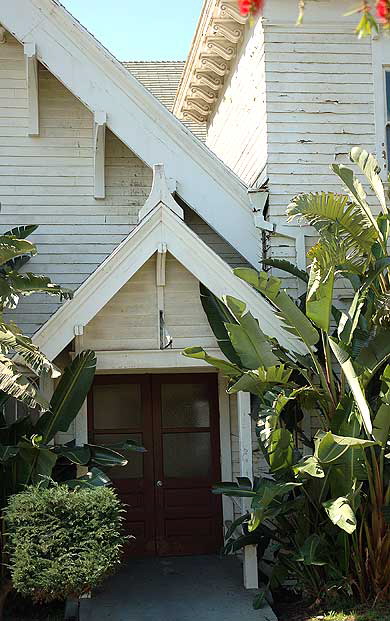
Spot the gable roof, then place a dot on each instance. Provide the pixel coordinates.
(161, 226)
(99, 80)
(162, 78)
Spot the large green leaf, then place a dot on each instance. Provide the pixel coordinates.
(280, 449)
(218, 315)
(341, 513)
(247, 337)
(17, 385)
(348, 369)
(357, 195)
(227, 368)
(12, 340)
(371, 169)
(69, 396)
(105, 457)
(294, 320)
(313, 551)
(35, 463)
(331, 213)
(286, 266)
(11, 247)
(94, 478)
(381, 425)
(311, 466)
(372, 357)
(80, 455)
(21, 232)
(28, 283)
(319, 299)
(330, 447)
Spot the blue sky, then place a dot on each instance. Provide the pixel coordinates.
(140, 29)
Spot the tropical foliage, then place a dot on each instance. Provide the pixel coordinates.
(325, 503)
(15, 373)
(28, 454)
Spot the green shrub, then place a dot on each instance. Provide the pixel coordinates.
(60, 543)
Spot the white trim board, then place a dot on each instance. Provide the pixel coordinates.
(137, 118)
(161, 226)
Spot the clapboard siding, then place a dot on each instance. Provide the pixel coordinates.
(318, 106)
(237, 130)
(297, 100)
(48, 180)
(130, 320)
(220, 246)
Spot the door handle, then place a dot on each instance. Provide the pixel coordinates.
(159, 484)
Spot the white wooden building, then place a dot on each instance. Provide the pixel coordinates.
(134, 211)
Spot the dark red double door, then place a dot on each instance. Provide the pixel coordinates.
(170, 508)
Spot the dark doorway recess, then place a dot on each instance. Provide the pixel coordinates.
(167, 490)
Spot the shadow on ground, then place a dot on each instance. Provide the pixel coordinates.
(200, 588)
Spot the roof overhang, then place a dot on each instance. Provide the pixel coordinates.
(160, 227)
(217, 40)
(100, 82)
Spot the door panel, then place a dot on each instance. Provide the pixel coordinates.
(120, 409)
(171, 509)
(186, 454)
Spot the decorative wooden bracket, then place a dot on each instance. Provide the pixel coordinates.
(160, 193)
(161, 264)
(3, 38)
(100, 120)
(31, 64)
(165, 340)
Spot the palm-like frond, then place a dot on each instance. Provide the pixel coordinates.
(11, 340)
(334, 215)
(15, 384)
(11, 247)
(13, 285)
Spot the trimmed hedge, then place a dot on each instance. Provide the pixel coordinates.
(60, 543)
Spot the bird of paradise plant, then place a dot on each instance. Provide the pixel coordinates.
(326, 499)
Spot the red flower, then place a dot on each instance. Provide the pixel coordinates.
(250, 7)
(383, 10)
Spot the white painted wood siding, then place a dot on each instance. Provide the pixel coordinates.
(48, 180)
(237, 130)
(130, 320)
(298, 99)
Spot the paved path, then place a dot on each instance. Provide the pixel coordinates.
(196, 588)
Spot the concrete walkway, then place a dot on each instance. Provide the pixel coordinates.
(196, 588)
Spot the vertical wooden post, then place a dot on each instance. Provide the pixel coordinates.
(31, 63)
(226, 445)
(81, 422)
(251, 577)
(160, 283)
(100, 120)
(46, 387)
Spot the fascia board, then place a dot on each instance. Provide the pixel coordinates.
(101, 286)
(100, 82)
(160, 226)
(217, 276)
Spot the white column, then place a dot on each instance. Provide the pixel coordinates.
(251, 579)
(226, 445)
(81, 422)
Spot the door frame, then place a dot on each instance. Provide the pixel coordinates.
(222, 448)
(151, 362)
